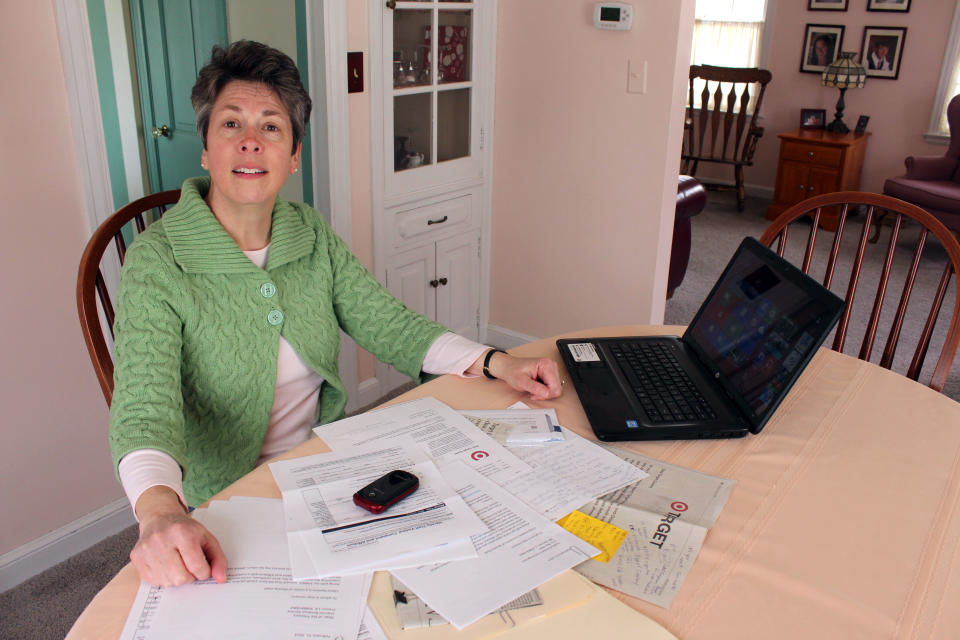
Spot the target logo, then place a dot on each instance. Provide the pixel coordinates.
(679, 507)
(479, 455)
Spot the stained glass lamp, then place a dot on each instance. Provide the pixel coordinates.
(843, 73)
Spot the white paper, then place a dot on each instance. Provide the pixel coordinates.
(447, 435)
(521, 551)
(259, 599)
(569, 474)
(667, 516)
(518, 427)
(342, 538)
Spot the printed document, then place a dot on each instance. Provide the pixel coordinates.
(341, 537)
(569, 474)
(521, 550)
(259, 599)
(446, 434)
(518, 427)
(668, 515)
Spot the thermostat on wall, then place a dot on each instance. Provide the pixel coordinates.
(613, 15)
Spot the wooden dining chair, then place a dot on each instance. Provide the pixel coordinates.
(91, 285)
(849, 245)
(721, 120)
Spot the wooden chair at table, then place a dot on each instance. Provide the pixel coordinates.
(875, 204)
(91, 285)
(726, 132)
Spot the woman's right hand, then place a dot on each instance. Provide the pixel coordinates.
(173, 548)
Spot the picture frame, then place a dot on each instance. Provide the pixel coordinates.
(899, 6)
(813, 118)
(861, 124)
(821, 45)
(882, 50)
(827, 5)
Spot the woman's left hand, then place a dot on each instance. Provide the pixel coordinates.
(539, 377)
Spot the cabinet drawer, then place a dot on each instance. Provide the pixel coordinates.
(812, 154)
(437, 219)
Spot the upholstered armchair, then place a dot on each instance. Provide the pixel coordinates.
(933, 182)
(691, 199)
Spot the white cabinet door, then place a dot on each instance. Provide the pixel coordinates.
(458, 274)
(409, 275)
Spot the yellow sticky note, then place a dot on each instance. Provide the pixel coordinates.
(602, 535)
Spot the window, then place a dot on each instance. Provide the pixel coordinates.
(949, 85)
(728, 33)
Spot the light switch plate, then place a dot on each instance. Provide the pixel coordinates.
(636, 76)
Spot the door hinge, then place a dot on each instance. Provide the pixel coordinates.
(481, 138)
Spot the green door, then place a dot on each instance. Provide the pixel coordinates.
(173, 40)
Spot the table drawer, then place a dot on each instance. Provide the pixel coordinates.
(438, 218)
(812, 154)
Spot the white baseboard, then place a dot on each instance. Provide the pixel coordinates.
(46, 551)
(505, 338)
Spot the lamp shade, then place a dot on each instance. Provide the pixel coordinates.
(845, 72)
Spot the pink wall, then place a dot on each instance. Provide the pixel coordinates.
(54, 463)
(899, 109)
(584, 177)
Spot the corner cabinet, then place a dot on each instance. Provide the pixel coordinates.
(431, 80)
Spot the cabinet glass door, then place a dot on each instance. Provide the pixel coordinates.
(434, 132)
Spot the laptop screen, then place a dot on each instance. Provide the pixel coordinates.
(760, 325)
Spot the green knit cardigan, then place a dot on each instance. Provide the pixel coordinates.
(198, 327)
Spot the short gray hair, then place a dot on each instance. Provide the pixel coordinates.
(250, 61)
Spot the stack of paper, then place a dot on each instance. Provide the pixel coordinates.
(518, 498)
(259, 599)
(330, 535)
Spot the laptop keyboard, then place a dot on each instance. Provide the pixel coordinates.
(666, 396)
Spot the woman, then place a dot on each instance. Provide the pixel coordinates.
(821, 53)
(228, 320)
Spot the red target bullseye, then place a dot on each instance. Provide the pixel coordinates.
(679, 507)
(479, 455)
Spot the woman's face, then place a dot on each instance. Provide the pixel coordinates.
(821, 49)
(248, 146)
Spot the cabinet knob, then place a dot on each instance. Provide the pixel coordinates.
(801, 187)
(443, 281)
(809, 188)
(810, 153)
(434, 283)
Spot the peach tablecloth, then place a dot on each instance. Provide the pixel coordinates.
(844, 523)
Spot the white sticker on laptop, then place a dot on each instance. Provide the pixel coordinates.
(583, 352)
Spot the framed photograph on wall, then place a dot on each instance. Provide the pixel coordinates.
(827, 5)
(813, 118)
(882, 50)
(821, 44)
(901, 6)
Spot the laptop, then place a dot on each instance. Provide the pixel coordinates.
(751, 338)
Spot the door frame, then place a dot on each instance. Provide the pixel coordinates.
(328, 18)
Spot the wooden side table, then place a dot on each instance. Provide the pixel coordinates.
(815, 161)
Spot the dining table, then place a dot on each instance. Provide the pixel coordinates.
(844, 521)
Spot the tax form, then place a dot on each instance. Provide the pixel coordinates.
(667, 515)
(446, 434)
(521, 551)
(259, 599)
(342, 538)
